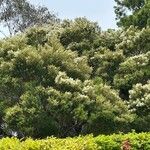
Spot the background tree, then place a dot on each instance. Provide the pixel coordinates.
(133, 12)
(17, 15)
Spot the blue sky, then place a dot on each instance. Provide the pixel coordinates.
(96, 10)
(100, 11)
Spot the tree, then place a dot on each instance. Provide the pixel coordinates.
(105, 63)
(134, 41)
(134, 70)
(133, 12)
(108, 39)
(46, 90)
(17, 15)
(139, 103)
(79, 35)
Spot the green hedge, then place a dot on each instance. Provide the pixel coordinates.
(113, 142)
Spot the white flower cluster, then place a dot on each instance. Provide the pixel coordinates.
(140, 96)
(88, 89)
(62, 78)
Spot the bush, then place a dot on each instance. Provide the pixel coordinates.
(139, 141)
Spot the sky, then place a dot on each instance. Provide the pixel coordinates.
(101, 11)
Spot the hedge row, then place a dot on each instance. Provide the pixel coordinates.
(130, 141)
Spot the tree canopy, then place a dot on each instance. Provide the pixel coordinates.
(133, 12)
(17, 15)
(70, 78)
(53, 86)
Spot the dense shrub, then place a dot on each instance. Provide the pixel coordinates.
(114, 142)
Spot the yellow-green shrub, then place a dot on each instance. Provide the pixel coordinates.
(139, 141)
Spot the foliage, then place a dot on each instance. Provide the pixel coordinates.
(102, 142)
(105, 63)
(17, 15)
(79, 35)
(134, 41)
(108, 39)
(52, 85)
(133, 12)
(73, 79)
(134, 70)
(139, 103)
